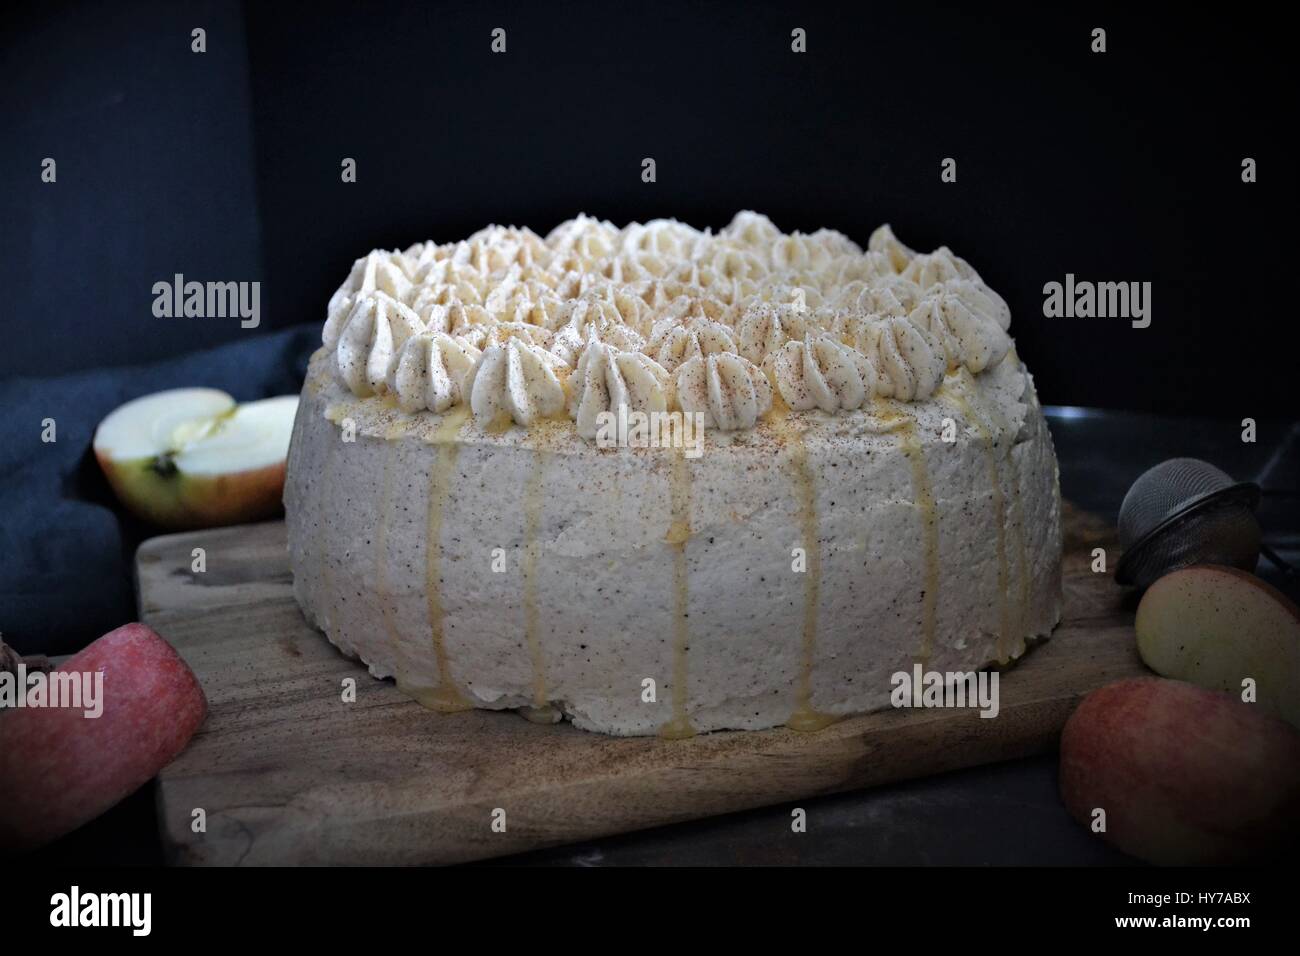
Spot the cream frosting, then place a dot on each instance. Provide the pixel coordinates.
(729, 390)
(672, 343)
(593, 320)
(909, 361)
(883, 241)
(966, 322)
(430, 372)
(517, 379)
(377, 272)
(656, 312)
(935, 267)
(822, 372)
(609, 378)
(372, 335)
(765, 328)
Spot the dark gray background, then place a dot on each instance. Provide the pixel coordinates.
(1122, 166)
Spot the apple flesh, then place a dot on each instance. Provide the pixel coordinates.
(60, 768)
(1217, 626)
(193, 458)
(1185, 775)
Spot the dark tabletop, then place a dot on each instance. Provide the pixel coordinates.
(1001, 814)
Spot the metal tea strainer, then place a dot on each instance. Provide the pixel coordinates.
(1185, 511)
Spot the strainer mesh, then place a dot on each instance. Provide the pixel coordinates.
(1163, 490)
(1226, 533)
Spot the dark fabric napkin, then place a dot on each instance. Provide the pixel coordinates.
(66, 547)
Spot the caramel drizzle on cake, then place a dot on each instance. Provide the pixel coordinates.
(445, 697)
(805, 716)
(1012, 615)
(923, 498)
(679, 534)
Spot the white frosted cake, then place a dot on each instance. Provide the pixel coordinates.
(659, 480)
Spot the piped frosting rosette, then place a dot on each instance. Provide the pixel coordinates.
(660, 317)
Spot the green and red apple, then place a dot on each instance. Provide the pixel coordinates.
(1224, 629)
(195, 458)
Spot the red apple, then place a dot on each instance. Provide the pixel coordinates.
(60, 768)
(1185, 775)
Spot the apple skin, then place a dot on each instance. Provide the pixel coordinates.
(1213, 626)
(179, 502)
(1186, 775)
(60, 769)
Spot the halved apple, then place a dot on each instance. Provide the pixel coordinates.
(194, 458)
(1216, 626)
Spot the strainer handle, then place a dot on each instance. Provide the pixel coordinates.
(1277, 560)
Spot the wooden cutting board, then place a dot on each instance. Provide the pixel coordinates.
(286, 772)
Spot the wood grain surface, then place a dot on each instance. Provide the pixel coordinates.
(286, 772)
